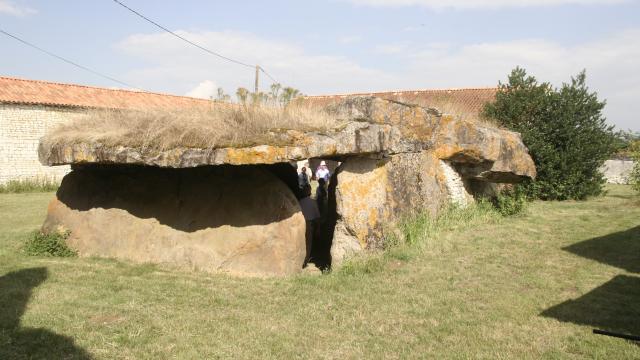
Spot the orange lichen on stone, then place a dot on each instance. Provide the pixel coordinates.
(81, 155)
(446, 118)
(256, 155)
(457, 152)
(365, 193)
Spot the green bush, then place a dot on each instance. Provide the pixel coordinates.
(564, 129)
(625, 144)
(510, 202)
(48, 244)
(29, 185)
(634, 177)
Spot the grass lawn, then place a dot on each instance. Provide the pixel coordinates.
(532, 286)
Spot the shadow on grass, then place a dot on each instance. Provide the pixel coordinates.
(612, 306)
(28, 343)
(621, 249)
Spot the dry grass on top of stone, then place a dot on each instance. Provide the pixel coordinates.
(224, 125)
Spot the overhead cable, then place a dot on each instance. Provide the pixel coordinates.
(15, 37)
(211, 52)
(269, 76)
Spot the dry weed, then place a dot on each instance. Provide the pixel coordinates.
(222, 126)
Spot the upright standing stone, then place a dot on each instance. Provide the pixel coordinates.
(239, 220)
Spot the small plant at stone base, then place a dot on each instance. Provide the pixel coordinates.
(49, 244)
(363, 265)
(417, 232)
(414, 231)
(510, 202)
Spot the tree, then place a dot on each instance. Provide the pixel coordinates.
(288, 94)
(259, 98)
(625, 143)
(222, 96)
(242, 94)
(274, 94)
(634, 153)
(564, 129)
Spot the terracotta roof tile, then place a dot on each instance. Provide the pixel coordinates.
(20, 91)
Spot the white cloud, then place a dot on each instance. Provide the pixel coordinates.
(391, 49)
(350, 39)
(10, 8)
(414, 28)
(611, 64)
(204, 90)
(478, 4)
(172, 64)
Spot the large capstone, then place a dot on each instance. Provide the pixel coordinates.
(236, 219)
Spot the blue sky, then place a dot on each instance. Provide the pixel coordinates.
(333, 46)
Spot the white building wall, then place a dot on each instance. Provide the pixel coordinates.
(617, 171)
(21, 127)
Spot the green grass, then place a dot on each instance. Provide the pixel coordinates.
(29, 186)
(527, 287)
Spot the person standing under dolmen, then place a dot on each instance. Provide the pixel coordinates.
(322, 172)
(303, 178)
(312, 218)
(322, 198)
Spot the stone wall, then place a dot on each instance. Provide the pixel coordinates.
(21, 127)
(617, 171)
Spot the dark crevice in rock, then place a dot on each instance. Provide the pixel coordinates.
(287, 174)
(321, 250)
(184, 199)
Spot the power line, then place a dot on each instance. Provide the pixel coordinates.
(68, 61)
(269, 76)
(181, 37)
(191, 42)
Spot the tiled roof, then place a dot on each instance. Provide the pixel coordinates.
(459, 101)
(20, 91)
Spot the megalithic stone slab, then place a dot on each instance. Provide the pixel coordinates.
(240, 220)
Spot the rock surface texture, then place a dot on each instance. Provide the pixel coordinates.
(239, 220)
(396, 159)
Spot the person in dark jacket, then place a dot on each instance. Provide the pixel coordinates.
(322, 198)
(303, 178)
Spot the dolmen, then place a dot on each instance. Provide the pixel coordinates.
(234, 209)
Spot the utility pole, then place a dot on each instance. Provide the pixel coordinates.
(257, 79)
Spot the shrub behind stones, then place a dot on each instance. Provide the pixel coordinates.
(564, 129)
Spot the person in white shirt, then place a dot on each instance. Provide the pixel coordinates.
(322, 172)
